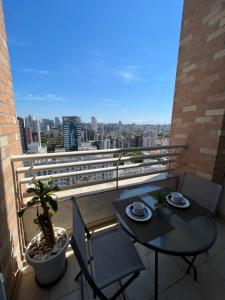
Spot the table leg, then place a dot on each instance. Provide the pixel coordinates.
(191, 265)
(156, 275)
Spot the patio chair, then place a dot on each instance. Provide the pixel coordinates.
(104, 258)
(201, 190)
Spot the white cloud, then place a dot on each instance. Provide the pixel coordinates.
(36, 71)
(129, 74)
(44, 97)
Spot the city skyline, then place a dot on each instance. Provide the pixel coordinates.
(71, 134)
(60, 118)
(122, 56)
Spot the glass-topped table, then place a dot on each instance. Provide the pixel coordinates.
(189, 235)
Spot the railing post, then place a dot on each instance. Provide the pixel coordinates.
(117, 170)
(31, 167)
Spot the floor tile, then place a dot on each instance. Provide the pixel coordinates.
(27, 269)
(173, 283)
(76, 295)
(109, 292)
(30, 290)
(211, 284)
(161, 296)
(142, 250)
(184, 290)
(142, 287)
(218, 263)
(67, 284)
(169, 272)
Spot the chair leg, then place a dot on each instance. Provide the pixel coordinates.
(156, 274)
(80, 272)
(124, 296)
(78, 275)
(126, 284)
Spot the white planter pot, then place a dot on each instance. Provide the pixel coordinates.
(50, 270)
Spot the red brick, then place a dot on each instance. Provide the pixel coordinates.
(205, 90)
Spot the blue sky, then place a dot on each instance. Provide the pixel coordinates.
(113, 59)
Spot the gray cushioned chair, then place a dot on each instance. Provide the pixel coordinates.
(104, 258)
(201, 190)
(204, 192)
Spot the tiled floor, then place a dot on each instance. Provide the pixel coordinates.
(173, 283)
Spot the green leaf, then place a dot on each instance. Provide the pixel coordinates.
(50, 181)
(21, 212)
(41, 186)
(33, 201)
(31, 190)
(53, 203)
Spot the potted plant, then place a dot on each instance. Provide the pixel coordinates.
(46, 251)
(160, 198)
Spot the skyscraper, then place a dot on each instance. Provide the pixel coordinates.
(22, 133)
(120, 127)
(72, 132)
(149, 138)
(34, 125)
(57, 122)
(94, 124)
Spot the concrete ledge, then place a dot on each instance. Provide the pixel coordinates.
(104, 187)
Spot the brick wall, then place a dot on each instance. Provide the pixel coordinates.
(9, 144)
(198, 117)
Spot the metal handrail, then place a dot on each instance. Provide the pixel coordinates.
(33, 169)
(90, 162)
(29, 157)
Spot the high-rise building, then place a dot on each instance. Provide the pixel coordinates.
(94, 124)
(36, 132)
(48, 122)
(120, 127)
(107, 144)
(22, 134)
(28, 135)
(89, 134)
(149, 138)
(57, 122)
(72, 132)
(34, 125)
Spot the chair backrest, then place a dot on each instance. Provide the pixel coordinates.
(80, 248)
(201, 190)
(79, 231)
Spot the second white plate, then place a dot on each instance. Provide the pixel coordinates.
(185, 205)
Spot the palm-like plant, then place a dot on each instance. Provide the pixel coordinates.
(45, 199)
(160, 199)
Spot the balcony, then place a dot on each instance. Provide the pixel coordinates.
(95, 200)
(197, 141)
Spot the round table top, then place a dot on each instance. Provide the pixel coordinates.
(189, 237)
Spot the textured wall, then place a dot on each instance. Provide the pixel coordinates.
(199, 101)
(9, 144)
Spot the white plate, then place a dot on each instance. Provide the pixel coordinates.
(185, 205)
(136, 218)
